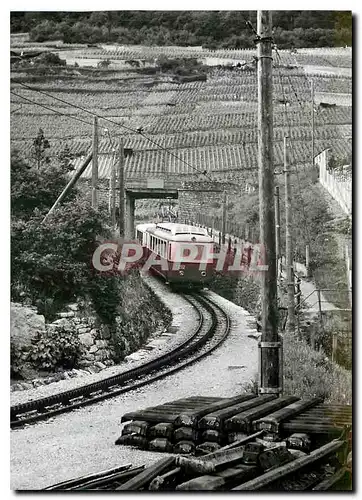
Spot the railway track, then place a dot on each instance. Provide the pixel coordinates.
(212, 330)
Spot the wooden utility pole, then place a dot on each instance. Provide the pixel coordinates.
(270, 347)
(113, 192)
(121, 187)
(224, 215)
(95, 164)
(277, 230)
(288, 242)
(312, 91)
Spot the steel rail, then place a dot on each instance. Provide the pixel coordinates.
(170, 362)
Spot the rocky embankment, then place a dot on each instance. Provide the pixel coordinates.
(142, 315)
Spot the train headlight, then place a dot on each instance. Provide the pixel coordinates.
(181, 273)
(203, 273)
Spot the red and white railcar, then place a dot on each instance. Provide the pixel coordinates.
(182, 254)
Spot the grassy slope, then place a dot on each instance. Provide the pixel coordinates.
(307, 373)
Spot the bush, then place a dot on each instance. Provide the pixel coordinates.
(54, 349)
(50, 59)
(18, 357)
(180, 66)
(344, 226)
(51, 261)
(340, 325)
(104, 63)
(309, 374)
(105, 292)
(50, 350)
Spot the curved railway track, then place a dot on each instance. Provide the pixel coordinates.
(212, 330)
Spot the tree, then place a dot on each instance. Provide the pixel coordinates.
(38, 151)
(33, 188)
(52, 261)
(50, 59)
(43, 31)
(214, 28)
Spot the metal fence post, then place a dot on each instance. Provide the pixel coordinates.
(334, 345)
(298, 304)
(307, 258)
(320, 309)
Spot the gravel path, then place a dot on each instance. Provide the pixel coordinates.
(184, 322)
(82, 442)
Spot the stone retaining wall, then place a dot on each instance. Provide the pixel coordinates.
(205, 198)
(132, 330)
(94, 337)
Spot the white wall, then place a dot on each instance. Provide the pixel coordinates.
(340, 187)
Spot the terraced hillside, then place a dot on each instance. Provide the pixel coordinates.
(210, 125)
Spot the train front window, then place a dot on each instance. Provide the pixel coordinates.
(182, 250)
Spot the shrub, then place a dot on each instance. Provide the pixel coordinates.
(34, 188)
(105, 292)
(54, 349)
(18, 357)
(51, 261)
(50, 350)
(344, 226)
(51, 59)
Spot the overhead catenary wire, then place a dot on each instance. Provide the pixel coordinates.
(291, 145)
(76, 106)
(61, 114)
(17, 109)
(50, 109)
(115, 124)
(290, 81)
(99, 126)
(136, 131)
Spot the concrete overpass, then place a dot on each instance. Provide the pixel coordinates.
(151, 187)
